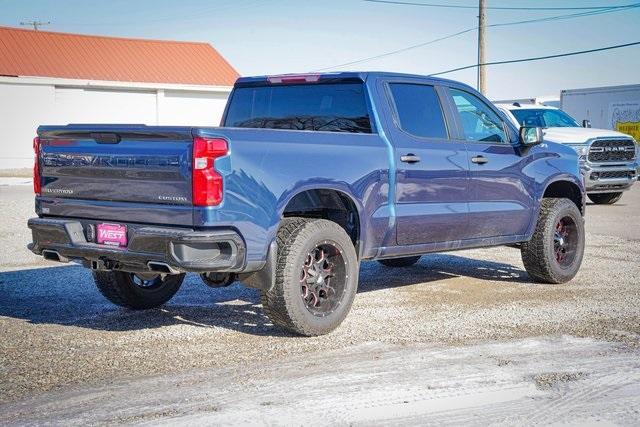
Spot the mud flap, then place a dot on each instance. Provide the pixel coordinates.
(265, 278)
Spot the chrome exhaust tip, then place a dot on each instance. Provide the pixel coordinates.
(161, 267)
(52, 255)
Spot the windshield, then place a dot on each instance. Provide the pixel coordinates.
(544, 117)
(335, 107)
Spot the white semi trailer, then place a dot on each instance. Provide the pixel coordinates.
(611, 107)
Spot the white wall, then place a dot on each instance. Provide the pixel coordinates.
(22, 108)
(190, 108)
(80, 105)
(25, 106)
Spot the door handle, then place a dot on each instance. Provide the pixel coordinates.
(481, 160)
(410, 158)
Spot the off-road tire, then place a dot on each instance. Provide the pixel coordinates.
(283, 303)
(538, 254)
(605, 198)
(399, 262)
(119, 288)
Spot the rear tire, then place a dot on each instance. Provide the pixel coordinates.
(132, 291)
(554, 253)
(605, 198)
(399, 262)
(316, 277)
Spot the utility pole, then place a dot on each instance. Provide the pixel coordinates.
(482, 76)
(35, 24)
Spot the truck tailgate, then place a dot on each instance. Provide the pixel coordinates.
(148, 165)
(129, 164)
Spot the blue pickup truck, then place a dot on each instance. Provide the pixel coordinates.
(308, 176)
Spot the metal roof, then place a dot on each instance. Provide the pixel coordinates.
(75, 56)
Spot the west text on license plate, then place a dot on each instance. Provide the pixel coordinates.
(111, 234)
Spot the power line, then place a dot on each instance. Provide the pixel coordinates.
(404, 49)
(468, 30)
(537, 58)
(458, 6)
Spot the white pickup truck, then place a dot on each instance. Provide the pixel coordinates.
(608, 159)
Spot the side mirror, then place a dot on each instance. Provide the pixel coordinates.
(586, 123)
(530, 136)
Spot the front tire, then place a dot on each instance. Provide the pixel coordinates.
(137, 291)
(399, 262)
(554, 253)
(605, 198)
(316, 277)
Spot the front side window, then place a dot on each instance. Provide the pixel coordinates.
(418, 109)
(479, 121)
(544, 118)
(335, 107)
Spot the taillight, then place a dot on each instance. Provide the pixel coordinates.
(36, 166)
(206, 181)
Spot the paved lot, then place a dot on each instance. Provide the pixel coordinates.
(456, 336)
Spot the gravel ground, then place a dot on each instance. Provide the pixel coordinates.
(59, 334)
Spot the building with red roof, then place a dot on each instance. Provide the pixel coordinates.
(59, 78)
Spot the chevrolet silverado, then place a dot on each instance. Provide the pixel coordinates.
(308, 176)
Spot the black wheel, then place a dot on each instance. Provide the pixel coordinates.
(316, 277)
(399, 262)
(605, 198)
(137, 291)
(554, 253)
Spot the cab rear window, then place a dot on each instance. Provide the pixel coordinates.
(335, 107)
(419, 111)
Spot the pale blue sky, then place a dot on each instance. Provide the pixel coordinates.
(278, 36)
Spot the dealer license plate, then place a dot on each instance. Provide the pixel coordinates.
(111, 234)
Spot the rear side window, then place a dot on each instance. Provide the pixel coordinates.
(335, 107)
(419, 110)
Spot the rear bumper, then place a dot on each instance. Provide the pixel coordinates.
(598, 177)
(148, 249)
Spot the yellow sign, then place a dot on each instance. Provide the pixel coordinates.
(630, 128)
(625, 117)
